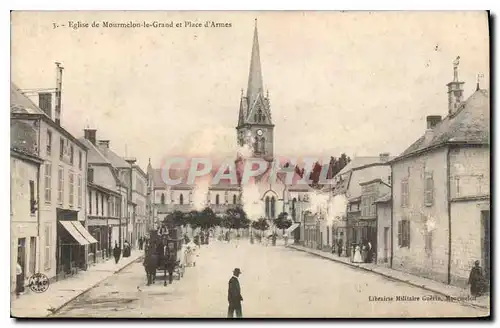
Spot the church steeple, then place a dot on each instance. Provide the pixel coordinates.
(255, 128)
(255, 85)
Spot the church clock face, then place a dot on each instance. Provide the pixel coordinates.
(260, 133)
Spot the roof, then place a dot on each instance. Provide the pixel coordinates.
(113, 158)
(19, 103)
(383, 199)
(94, 156)
(469, 124)
(361, 161)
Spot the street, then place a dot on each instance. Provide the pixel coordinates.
(276, 282)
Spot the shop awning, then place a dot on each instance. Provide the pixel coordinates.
(70, 228)
(292, 228)
(85, 233)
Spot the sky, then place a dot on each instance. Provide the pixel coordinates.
(361, 83)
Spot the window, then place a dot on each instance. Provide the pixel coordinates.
(102, 205)
(404, 233)
(71, 154)
(117, 208)
(32, 197)
(80, 160)
(428, 242)
(294, 212)
(90, 201)
(273, 207)
(181, 199)
(49, 142)
(48, 182)
(61, 148)
(234, 199)
(217, 199)
(90, 175)
(428, 189)
(71, 189)
(60, 188)
(267, 206)
(96, 203)
(80, 191)
(162, 198)
(48, 243)
(404, 193)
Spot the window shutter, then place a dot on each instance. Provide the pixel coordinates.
(399, 233)
(408, 233)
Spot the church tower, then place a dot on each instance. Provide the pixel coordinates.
(255, 128)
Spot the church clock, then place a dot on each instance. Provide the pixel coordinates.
(260, 133)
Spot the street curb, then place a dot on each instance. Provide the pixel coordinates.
(391, 277)
(91, 287)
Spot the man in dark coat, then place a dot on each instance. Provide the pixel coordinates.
(117, 252)
(476, 280)
(234, 295)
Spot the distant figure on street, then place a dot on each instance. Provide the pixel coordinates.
(364, 251)
(234, 295)
(141, 243)
(19, 278)
(117, 252)
(357, 255)
(476, 280)
(126, 249)
(369, 255)
(339, 247)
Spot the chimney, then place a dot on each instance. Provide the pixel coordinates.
(384, 157)
(104, 143)
(90, 135)
(45, 102)
(455, 90)
(432, 121)
(57, 116)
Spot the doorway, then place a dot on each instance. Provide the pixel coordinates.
(386, 244)
(485, 243)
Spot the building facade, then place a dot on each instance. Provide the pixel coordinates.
(441, 198)
(62, 189)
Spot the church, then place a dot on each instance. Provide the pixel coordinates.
(266, 198)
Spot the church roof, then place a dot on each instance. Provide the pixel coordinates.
(255, 84)
(469, 124)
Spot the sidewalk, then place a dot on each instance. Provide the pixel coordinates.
(427, 284)
(62, 292)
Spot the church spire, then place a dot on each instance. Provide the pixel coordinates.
(255, 85)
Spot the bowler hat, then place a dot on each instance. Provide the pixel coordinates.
(237, 270)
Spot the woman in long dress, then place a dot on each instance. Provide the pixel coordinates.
(357, 255)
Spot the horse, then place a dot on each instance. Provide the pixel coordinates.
(150, 265)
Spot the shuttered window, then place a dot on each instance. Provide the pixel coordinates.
(404, 233)
(428, 189)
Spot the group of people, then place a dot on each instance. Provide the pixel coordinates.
(117, 251)
(363, 253)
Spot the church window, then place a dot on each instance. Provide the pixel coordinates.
(217, 199)
(234, 199)
(273, 207)
(261, 118)
(181, 199)
(267, 206)
(262, 145)
(255, 117)
(162, 198)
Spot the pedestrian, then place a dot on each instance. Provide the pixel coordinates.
(141, 243)
(117, 252)
(364, 251)
(339, 247)
(357, 255)
(476, 280)
(150, 264)
(286, 239)
(369, 253)
(234, 295)
(19, 278)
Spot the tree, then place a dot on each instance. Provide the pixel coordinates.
(178, 218)
(236, 218)
(206, 218)
(282, 221)
(261, 224)
(193, 219)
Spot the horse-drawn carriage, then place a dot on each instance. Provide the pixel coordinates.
(164, 252)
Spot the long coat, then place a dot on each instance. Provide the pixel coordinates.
(234, 291)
